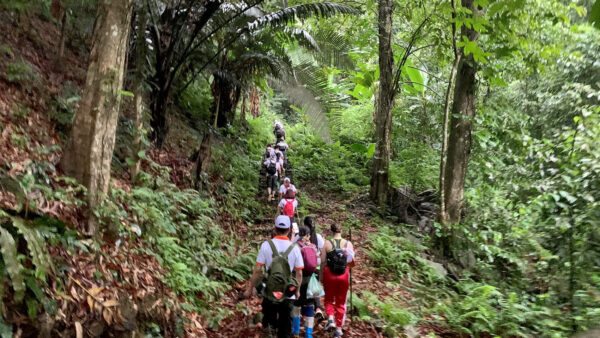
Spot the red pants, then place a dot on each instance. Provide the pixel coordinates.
(336, 290)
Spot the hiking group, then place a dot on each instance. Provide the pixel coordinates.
(300, 266)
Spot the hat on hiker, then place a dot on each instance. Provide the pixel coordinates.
(282, 222)
(287, 179)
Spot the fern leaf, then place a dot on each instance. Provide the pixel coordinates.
(8, 247)
(37, 248)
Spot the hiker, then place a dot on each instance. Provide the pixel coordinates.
(283, 147)
(304, 305)
(319, 242)
(278, 131)
(279, 256)
(280, 159)
(288, 204)
(268, 152)
(272, 168)
(336, 260)
(287, 185)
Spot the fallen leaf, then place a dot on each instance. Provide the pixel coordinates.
(110, 302)
(107, 316)
(78, 330)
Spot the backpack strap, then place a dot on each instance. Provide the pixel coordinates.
(332, 244)
(289, 249)
(273, 248)
(338, 243)
(346, 244)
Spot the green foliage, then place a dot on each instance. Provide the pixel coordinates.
(483, 309)
(12, 264)
(399, 257)
(330, 167)
(177, 225)
(20, 72)
(64, 106)
(416, 166)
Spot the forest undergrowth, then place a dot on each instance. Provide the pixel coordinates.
(177, 237)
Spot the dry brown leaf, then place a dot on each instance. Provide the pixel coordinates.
(90, 302)
(78, 330)
(107, 316)
(73, 293)
(110, 302)
(95, 291)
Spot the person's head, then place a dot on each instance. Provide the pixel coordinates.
(304, 233)
(286, 182)
(309, 223)
(336, 228)
(276, 147)
(282, 225)
(290, 194)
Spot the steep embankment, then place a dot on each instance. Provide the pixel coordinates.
(328, 209)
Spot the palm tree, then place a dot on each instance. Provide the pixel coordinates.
(180, 58)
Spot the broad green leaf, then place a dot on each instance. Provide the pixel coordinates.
(8, 248)
(595, 14)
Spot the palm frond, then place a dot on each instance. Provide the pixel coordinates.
(301, 96)
(261, 63)
(334, 48)
(300, 12)
(302, 37)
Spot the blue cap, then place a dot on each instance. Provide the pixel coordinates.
(282, 222)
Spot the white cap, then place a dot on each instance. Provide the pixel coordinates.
(287, 179)
(282, 222)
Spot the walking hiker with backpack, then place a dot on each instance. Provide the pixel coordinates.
(335, 264)
(279, 288)
(268, 153)
(319, 242)
(278, 131)
(305, 304)
(272, 169)
(288, 205)
(287, 185)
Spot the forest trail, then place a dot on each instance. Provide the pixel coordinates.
(364, 277)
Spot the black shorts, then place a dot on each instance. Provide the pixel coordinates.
(272, 182)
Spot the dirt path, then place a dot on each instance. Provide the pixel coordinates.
(363, 279)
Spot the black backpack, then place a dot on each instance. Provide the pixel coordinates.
(271, 168)
(336, 258)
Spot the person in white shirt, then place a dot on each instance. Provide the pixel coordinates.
(277, 315)
(287, 185)
(273, 169)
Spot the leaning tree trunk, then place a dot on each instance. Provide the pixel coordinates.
(383, 115)
(88, 154)
(459, 143)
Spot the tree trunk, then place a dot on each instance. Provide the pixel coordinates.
(446, 117)
(203, 161)
(88, 154)
(138, 118)
(459, 143)
(158, 108)
(226, 96)
(254, 103)
(383, 116)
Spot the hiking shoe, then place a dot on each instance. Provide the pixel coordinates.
(330, 326)
(319, 316)
(268, 332)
